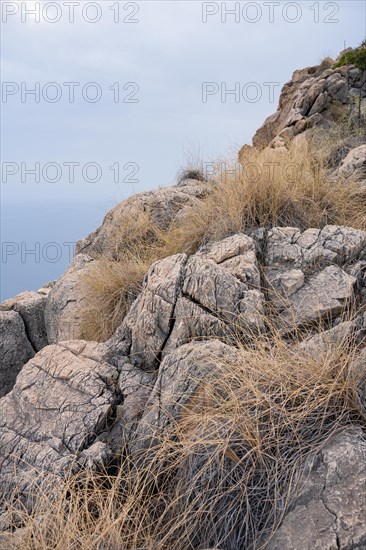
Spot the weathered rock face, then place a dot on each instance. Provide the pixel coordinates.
(65, 303)
(330, 508)
(307, 274)
(23, 332)
(15, 349)
(353, 167)
(31, 306)
(306, 277)
(341, 334)
(214, 293)
(315, 96)
(49, 423)
(78, 404)
(180, 375)
(161, 205)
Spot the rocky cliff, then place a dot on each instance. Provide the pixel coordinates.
(235, 381)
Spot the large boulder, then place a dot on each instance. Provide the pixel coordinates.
(49, 423)
(160, 206)
(309, 274)
(353, 167)
(66, 301)
(329, 510)
(213, 294)
(31, 306)
(15, 349)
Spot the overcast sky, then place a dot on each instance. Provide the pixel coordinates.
(166, 50)
(150, 63)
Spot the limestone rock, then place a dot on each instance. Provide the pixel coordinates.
(146, 327)
(329, 511)
(161, 205)
(31, 306)
(313, 248)
(65, 303)
(314, 96)
(215, 293)
(324, 296)
(15, 349)
(339, 335)
(179, 377)
(308, 273)
(63, 398)
(353, 167)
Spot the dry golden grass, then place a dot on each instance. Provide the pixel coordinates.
(270, 189)
(273, 188)
(223, 474)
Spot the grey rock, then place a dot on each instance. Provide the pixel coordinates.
(135, 387)
(209, 295)
(312, 92)
(14, 347)
(146, 327)
(329, 510)
(353, 167)
(162, 206)
(63, 398)
(65, 302)
(324, 296)
(289, 247)
(303, 272)
(31, 306)
(180, 375)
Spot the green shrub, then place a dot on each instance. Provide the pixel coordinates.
(354, 57)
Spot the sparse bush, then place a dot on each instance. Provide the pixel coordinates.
(224, 474)
(355, 57)
(190, 174)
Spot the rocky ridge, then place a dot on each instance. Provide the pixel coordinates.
(68, 404)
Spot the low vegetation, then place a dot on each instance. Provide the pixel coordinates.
(355, 57)
(270, 188)
(223, 474)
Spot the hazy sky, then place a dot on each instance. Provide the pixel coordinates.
(148, 63)
(166, 55)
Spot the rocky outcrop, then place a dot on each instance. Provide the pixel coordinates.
(307, 273)
(180, 376)
(67, 299)
(353, 167)
(65, 303)
(69, 405)
(329, 509)
(14, 347)
(214, 293)
(161, 206)
(63, 398)
(31, 306)
(315, 96)
(23, 333)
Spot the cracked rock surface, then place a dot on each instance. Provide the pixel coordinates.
(214, 293)
(314, 96)
(329, 511)
(15, 349)
(62, 399)
(65, 303)
(31, 306)
(309, 274)
(179, 378)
